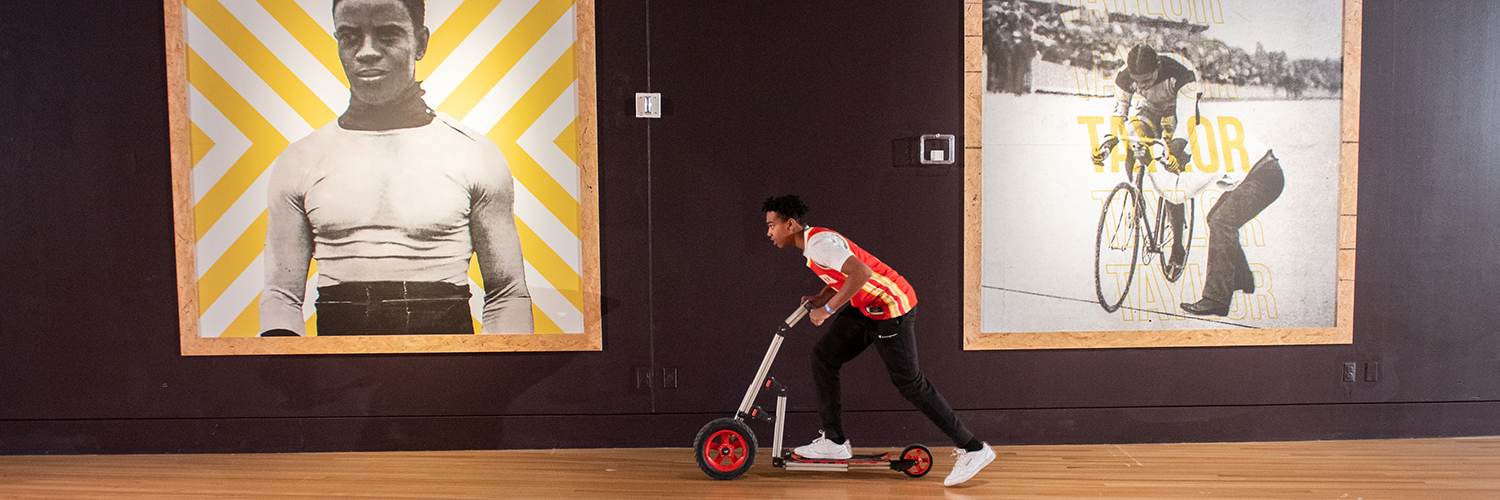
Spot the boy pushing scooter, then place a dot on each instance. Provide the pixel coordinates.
(882, 313)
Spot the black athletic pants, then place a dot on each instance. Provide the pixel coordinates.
(848, 336)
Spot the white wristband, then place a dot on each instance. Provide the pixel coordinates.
(825, 308)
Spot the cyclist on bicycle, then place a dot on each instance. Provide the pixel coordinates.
(1146, 99)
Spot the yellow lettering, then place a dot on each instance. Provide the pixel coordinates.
(1111, 230)
(1120, 272)
(1252, 234)
(1212, 147)
(1086, 11)
(1148, 9)
(1117, 127)
(1262, 303)
(1093, 122)
(1071, 15)
(1235, 144)
(1215, 9)
(1155, 294)
(1141, 133)
(1206, 201)
(1087, 80)
(1177, 8)
(1192, 283)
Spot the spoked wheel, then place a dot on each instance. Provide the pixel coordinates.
(1187, 242)
(922, 458)
(725, 448)
(1117, 246)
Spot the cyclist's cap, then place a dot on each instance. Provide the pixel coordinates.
(1142, 59)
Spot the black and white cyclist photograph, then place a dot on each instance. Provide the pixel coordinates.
(1160, 165)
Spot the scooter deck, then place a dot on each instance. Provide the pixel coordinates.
(856, 459)
(792, 461)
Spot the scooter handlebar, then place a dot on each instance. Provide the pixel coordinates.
(797, 315)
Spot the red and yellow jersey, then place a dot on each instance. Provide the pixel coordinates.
(887, 295)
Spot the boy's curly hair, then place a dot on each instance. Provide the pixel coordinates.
(787, 207)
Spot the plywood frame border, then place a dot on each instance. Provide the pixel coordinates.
(182, 209)
(1341, 333)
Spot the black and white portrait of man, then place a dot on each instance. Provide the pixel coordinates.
(392, 200)
(1154, 171)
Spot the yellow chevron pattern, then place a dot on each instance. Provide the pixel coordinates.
(264, 73)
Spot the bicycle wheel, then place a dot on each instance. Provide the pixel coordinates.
(1117, 246)
(1187, 243)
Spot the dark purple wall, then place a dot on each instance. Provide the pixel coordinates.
(763, 98)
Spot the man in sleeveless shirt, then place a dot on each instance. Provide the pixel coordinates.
(870, 304)
(393, 200)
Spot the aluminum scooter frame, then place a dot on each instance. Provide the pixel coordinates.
(914, 461)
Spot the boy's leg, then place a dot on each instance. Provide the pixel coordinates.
(847, 336)
(897, 344)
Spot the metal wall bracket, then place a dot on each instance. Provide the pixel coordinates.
(647, 105)
(936, 149)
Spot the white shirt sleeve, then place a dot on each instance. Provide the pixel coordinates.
(1177, 187)
(828, 250)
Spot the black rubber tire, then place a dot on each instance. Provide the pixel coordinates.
(922, 455)
(725, 448)
(1187, 243)
(1129, 219)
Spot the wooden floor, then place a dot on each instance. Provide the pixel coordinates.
(1466, 468)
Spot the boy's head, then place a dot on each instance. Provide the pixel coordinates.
(784, 219)
(786, 207)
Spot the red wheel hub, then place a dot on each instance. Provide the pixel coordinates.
(924, 461)
(725, 451)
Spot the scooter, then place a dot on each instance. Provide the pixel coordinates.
(725, 448)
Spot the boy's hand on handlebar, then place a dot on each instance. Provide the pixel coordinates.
(818, 316)
(813, 301)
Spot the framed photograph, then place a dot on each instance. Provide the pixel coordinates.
(384, 176)
(1160, 173)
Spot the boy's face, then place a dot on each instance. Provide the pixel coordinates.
(783, 232)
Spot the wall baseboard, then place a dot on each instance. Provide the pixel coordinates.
(868, 428)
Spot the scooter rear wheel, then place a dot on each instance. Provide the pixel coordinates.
(725, 448)
(922, 458)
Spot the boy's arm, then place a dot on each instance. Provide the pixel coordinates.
(817, 300)
(858, 274)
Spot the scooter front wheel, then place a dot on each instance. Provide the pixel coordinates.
(725, 448)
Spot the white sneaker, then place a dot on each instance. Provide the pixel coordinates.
(968, 464)
(822, 448)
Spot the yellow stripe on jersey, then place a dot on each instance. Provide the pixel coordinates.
(893, 289)
(891, 305)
